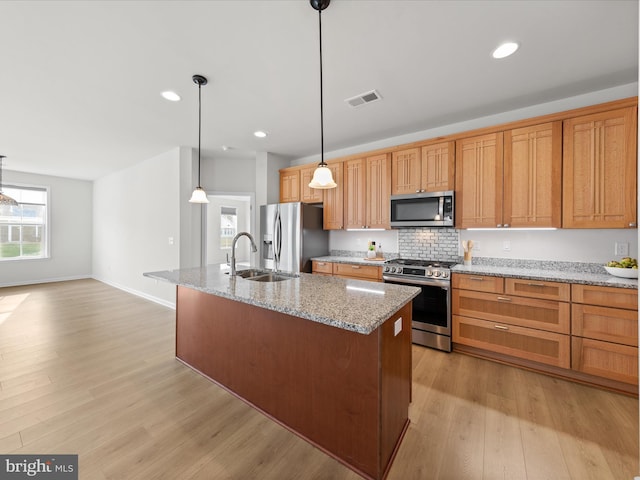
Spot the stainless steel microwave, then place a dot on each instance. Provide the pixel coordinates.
(428, 209)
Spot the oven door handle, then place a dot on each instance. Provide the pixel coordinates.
(417, 282)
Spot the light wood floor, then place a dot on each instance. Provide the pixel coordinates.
(88, 369)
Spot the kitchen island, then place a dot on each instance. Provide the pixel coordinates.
(328, 358)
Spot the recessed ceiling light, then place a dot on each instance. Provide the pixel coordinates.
(506, 49)
(171, 96)
(260, 134)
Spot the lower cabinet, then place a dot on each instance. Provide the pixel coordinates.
(605, 338)
(582, 332)
(521, 342)
(348, 270)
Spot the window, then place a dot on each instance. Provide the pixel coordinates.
(228, 226)
(23, 229)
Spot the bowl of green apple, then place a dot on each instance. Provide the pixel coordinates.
(626, 267)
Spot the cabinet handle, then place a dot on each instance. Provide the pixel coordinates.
(477, 279)
(501, 327)
(417, 191)
(506, 225)
(504, 299)
(632, 224)
(355, 266)
(321, 264)
(532, 284)
(499, 225)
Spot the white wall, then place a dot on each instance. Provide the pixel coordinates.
(70, 237)
(136, 211)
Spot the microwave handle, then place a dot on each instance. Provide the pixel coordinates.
(441, 208)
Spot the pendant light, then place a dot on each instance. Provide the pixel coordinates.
(322, 178)
(5, 199)
(199, 195)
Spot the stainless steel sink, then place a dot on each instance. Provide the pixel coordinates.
(259, 275)
(251, 272)
(272, 277)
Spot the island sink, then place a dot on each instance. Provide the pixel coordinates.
(258, 275)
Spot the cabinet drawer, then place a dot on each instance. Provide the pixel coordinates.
(605, 296)
(547, 315)
(366, 272)
(321, 267)
(607, 324)
(526, 343)
(538, 289)
(604, 359)
(480, 283)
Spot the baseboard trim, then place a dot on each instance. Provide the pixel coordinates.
(138, 293)
(45, 280)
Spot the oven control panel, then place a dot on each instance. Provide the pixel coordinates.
(416, 272)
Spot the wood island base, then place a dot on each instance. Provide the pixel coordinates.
(345, 392)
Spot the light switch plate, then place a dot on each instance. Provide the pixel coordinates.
(397, 326)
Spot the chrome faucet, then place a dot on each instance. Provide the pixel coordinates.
(233, 249)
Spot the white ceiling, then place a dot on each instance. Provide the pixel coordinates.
(80, 81)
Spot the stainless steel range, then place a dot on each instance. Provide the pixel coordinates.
(431, 325)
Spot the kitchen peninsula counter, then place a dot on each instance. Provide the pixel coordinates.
(328, 358)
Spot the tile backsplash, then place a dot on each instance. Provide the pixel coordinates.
(429, 243)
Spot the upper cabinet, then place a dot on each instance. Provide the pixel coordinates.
(289, 185)
(479, 181)
(333, 211)
(308, 194)
(599, 170)
(423, 169)
(367, 192)
(533, 176)
(511, 178)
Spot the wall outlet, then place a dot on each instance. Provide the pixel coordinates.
(476, 246)
(397, 326)
(621, 249)
(170, 240)
(506, 245)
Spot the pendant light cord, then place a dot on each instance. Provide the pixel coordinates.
(199, 127)
(321, 99)
(1, 159)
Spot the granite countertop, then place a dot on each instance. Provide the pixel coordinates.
(355, 305)
(560, 275)
(350, 260)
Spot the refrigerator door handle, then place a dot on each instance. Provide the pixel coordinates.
(277, 240)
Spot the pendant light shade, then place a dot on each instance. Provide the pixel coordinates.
(199, 195)
(322, 177)
(5, 199)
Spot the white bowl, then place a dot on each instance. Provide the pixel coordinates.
(622, 272)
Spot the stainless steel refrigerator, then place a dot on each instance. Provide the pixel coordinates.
(290, 235)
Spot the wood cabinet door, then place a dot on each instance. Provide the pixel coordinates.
(354, 193)
(533, 176)
(333, 211)
(526, 343)
(378, 191)
(438, 167)
(308, 194)
(605, 359)
(405, 174)
(289, 186)
(479, 181)
(599, 170)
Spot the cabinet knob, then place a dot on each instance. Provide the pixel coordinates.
(632, 224)
(418, 191)
(499, 225)
(506, 225)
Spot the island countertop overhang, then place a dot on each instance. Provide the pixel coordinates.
(354, 305)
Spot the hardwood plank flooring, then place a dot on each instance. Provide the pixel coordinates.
(88, 369)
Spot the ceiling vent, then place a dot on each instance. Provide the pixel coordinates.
(363, 98)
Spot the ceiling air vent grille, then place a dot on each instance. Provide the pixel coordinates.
(366, 97)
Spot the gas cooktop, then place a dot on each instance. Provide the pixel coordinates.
(420, 263)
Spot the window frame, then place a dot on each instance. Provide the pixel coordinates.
(46, 237)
